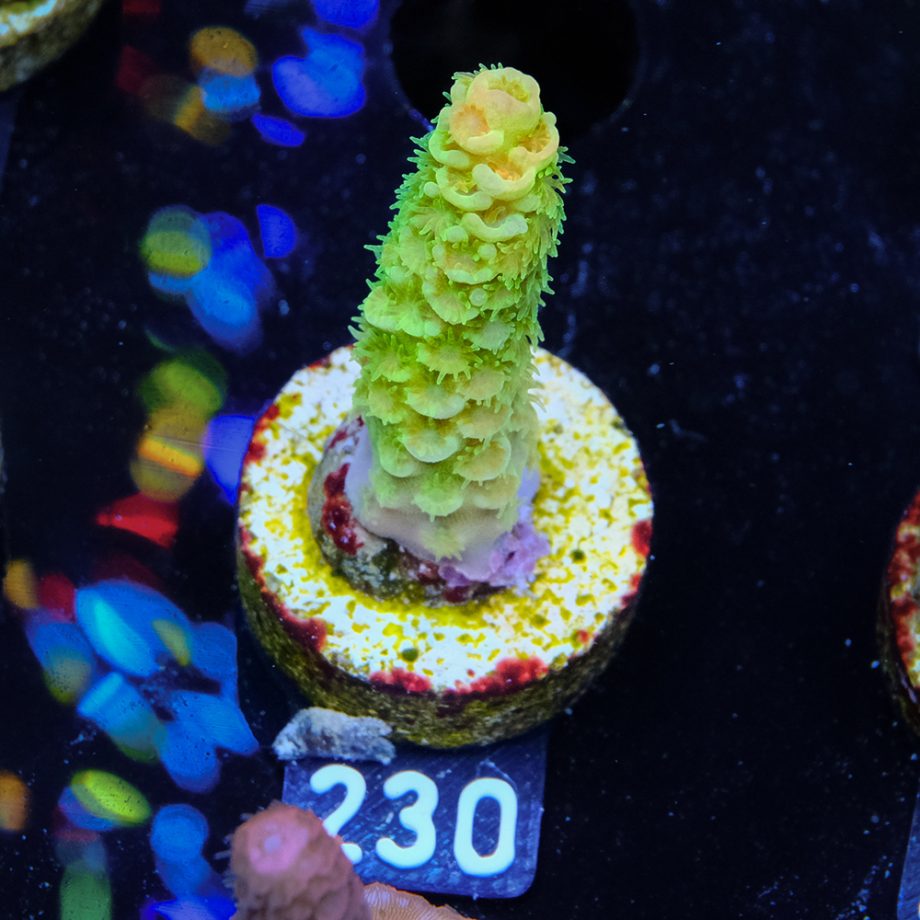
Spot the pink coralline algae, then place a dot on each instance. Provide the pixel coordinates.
(286, 867)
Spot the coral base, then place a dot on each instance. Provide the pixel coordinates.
(457, 675)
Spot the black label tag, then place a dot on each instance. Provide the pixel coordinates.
(454, 822)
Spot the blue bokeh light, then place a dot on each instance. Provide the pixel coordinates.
(353, 14)
(142, 672)
(64, 654)
(227, 95)
(219, 720)
(277, 231)
(123, 620)
(215, 908)
(278, 131)
(327, 82)
(79, 816)
(177, 838)
(214, 655)
(226, 309)
(189, 757)
(118, 708)
(227, 292)
(178, 833)
(225, 444)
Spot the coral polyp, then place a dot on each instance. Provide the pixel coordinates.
(445, 336)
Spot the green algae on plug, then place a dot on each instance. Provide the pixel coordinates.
(445, 335)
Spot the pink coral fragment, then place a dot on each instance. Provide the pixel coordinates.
(287, 867)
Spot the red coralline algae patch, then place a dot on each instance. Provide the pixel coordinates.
(509, 674)
(634, 583)
(427, 573)
(310, 633)
(457, 594)
(252, 559)
(256, 450)
(402, 679)
(346, 431)
(337, 516)
(642, 537)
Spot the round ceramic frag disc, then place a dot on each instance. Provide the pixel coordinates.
(455, 675)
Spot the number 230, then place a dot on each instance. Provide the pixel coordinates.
(419, 818)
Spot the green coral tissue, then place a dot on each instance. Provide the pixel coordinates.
(445, 336)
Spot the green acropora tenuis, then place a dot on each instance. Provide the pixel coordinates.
(445, 335)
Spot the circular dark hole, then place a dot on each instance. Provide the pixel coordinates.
(584, 56)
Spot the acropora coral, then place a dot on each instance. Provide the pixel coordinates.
(445, 336)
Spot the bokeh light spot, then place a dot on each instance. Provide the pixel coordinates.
(66, 657)
(225, 307)
(327, 82)
(278, 131)
(178, 833)
(219, 720)
(226, 295)
(117, 618)
(14, 802)
(189, 756)
(194, 379)
(168, 457)
(224, 51)
(171, 99)
(176, 638)
(141, 9)
(215, 908)
(141, 515)
(123, 714)
(19, 586)
(228, 96)
(134, 69)
(277, 230)
(85, 895)
(353, 14)
(175, 244)
(225, 443)
(56, 595)
(109, 797)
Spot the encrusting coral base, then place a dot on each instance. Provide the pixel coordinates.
(446, 676)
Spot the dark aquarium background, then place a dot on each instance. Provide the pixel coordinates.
(740, 272)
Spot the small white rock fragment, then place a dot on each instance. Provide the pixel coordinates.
(317, 732)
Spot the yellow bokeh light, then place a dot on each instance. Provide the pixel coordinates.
(222, 50)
